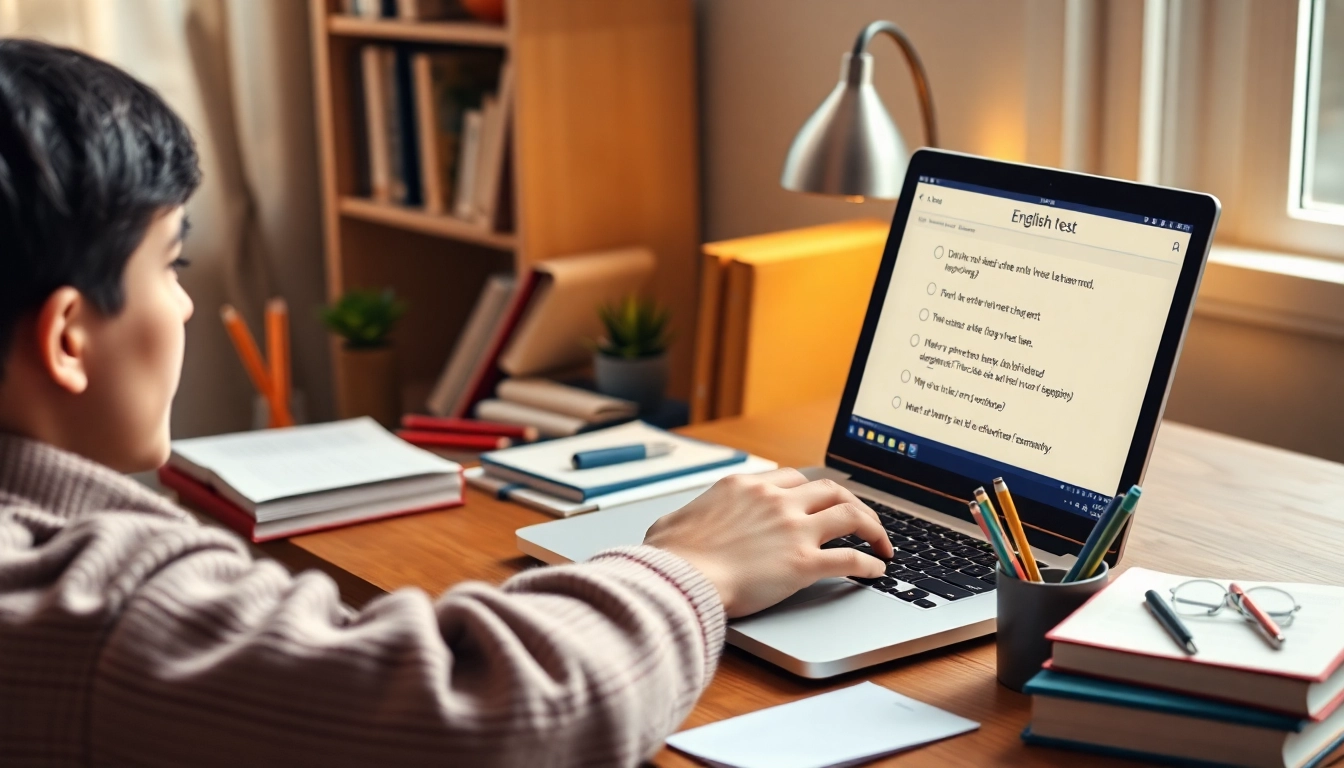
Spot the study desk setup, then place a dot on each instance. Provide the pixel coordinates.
(1020, 337)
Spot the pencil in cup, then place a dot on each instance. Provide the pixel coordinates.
(1015, 528)
(246, 347)
(277, 347)
(1104, 534)
(996, 541)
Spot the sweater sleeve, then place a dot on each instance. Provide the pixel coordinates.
(213, 658)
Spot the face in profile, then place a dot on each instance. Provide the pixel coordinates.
(134, 358)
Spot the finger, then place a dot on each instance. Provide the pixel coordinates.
(844, 519)
(823, 494)
(848, 562)
(784, 477)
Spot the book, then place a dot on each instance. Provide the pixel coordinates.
(318, 468)
(471, 343)
(560, 320)
(199, 496)
(548, 423)
(558, 507)
(1103, 716)
(494, 143)
(546, 466)
(469, 150)
(1112, 637)
(485, 374)
(376, 129)
(426, 10)
(751, 334)
(591, 407)
(406, 141)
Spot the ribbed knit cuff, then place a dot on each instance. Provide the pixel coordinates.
(700, 592)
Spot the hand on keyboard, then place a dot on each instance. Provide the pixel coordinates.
(758, 537)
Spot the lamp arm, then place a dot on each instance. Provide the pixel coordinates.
(916, 69)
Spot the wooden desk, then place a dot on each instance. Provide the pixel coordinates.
(1209, 502)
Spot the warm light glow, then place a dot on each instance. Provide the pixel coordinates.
(853, 198)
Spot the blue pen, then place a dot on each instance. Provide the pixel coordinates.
(1109, 525)
(605, 457)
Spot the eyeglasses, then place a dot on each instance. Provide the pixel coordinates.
(1201, 597)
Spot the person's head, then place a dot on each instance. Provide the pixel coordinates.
(94, 172)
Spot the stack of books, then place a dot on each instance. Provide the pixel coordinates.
(546, 477)
(1118, 682)
(274, 483)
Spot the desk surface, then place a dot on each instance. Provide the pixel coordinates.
(1208, 501)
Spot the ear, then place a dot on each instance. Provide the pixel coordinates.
(63, 339)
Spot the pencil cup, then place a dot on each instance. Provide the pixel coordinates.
(1027, 611)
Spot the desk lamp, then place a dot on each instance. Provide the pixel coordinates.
(850, 146)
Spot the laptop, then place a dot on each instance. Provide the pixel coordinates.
(1025, 324)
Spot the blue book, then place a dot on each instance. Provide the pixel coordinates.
(1107, 717)
(547, 466)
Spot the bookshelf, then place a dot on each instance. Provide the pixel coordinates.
(604, 153)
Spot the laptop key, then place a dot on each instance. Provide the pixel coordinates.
(966, 552)
(991, 577)
(955, 563)
(914, 546)
(937, 571)
(942, 589)
(912, 594)
(863, 581)
(975, 570)
(925, 604)
(933, 555)
(969, 583)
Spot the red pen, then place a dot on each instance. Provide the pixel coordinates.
(1266, 625)
(467, 427)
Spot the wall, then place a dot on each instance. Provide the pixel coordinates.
(996, 70)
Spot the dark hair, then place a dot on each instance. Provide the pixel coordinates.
(88, 156)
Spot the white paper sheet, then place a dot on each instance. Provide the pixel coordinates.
(845, 727)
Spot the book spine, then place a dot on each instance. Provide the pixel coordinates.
(375, 133)
(198, 496)
(464, 191)
(406, 123)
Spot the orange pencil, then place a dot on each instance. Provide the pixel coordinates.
(277, 345)
(247, 350)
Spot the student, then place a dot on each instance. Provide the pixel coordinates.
(129, 634)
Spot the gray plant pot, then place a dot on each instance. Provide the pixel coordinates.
(643, 380)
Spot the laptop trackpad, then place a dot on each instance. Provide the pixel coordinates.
(823, 588)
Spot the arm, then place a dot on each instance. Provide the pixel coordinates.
(217, 659)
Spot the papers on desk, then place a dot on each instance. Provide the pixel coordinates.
(845, 727)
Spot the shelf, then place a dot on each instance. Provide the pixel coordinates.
(458, 32)
(426, 223)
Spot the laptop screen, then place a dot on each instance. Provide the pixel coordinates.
(1017, 338)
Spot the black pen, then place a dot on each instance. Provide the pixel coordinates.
(1170, 621)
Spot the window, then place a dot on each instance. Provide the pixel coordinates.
(1321, 82)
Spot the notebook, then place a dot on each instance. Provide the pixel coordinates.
(286, 473)
(1101, 716)
(546, 466)
(1113, 636)
(558, 507)
(846, 727)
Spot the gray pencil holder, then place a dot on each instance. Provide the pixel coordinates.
(1027, 611)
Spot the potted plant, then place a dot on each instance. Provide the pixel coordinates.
(631, 362)
(366, 365)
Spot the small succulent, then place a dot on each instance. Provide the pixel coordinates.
(636, 328)
(364, 318)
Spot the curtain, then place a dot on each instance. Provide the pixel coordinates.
(239, 73)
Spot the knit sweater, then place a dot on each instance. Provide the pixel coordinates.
(132, 635)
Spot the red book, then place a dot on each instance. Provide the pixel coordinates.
(418, 421)
(487, 374)
(426, 438)
(197, 495)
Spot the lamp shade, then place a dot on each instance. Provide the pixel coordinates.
(850, 146)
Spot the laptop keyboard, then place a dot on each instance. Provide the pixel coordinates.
(933, 564)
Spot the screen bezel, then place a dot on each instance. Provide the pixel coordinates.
(1049, 528)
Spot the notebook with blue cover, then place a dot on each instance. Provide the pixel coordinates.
(1113, 718)
(546, 466)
